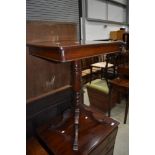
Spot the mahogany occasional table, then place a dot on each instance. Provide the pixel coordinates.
(73, 52)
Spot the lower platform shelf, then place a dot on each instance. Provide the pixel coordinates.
(97, 134)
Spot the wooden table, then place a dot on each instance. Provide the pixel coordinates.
(73, 51)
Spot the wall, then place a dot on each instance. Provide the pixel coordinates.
(96, 30)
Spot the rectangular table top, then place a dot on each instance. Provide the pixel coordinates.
(71, 50)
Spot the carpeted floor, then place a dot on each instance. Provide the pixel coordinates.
(122, 139)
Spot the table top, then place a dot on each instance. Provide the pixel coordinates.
(71, 50)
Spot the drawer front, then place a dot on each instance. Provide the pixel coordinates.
(106, 145)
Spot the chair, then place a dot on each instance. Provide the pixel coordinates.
(107, 67)
(86, 68)
(120, 84)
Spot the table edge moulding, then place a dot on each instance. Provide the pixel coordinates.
(65, 51)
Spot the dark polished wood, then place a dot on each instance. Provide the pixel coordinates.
(43, 76)
(120, 84)
(126, 39)
(71, 50)
(97, 135)
(76, 83)
(50, 31)
(42, 109)
(34, 148)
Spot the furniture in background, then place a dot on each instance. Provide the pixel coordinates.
(98, 93)
(120, 84)
(117, 35)
(121, 35)
(107, 67)
(98, 90)
(85, 66)
(126, 39)
(103, 67)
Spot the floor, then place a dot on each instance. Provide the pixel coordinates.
(122, 139)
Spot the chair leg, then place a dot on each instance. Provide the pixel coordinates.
(114, 72)
(91, 74)
(110, 100)
(102, 73)
(126, 111)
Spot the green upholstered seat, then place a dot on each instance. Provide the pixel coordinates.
(100, 85)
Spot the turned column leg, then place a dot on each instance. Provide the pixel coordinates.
(110, 100)
(76, 68)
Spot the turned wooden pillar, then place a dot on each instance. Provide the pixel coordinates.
(76, 83)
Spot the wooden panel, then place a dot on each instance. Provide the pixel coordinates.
(50, 31)
(42, 109)
(43, 76)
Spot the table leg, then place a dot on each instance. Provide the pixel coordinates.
(91, 74)
(126, 110)
(77, 91)
(110, 100)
